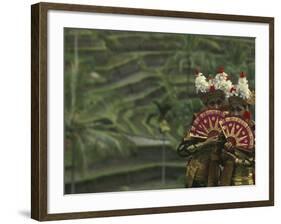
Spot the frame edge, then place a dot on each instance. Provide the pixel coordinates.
(153, 12)
(271, 111)
(38, 112)
(35, 191)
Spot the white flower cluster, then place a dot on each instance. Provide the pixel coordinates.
(201, 84)
(222, 82)
(243, 88)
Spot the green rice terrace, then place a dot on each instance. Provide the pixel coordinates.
(129, 96)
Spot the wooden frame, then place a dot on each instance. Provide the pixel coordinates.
(39, 110)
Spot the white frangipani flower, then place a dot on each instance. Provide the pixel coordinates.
(201, 84)
(222, 82)
(243, 87)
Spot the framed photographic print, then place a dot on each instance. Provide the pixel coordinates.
(139, 111)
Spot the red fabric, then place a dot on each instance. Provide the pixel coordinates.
(212, 88)
(242, 74)
(221, 69)
(247, 115)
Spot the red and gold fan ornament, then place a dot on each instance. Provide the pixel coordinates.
(207, 124)
(238, 132)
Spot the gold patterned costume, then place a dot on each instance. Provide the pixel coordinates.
(238, 166)
(203, 157)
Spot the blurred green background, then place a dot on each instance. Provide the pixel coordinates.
(129, 97)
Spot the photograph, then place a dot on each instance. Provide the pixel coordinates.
(155, 110)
